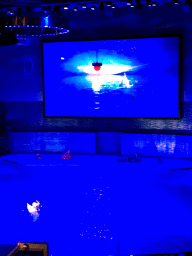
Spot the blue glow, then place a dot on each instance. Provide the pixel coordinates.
(136, 78)
(46, 21)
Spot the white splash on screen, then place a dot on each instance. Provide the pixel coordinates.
(34, 209)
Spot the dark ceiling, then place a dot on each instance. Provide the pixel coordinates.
(35, 5)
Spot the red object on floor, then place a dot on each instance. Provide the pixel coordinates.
(66, 155)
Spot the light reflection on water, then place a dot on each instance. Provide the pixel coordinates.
(112, 82)
(105, 83)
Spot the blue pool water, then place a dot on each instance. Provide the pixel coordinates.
(93, 205)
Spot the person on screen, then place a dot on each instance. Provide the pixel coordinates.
(34, 209)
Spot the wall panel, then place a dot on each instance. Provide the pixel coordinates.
(28, 142)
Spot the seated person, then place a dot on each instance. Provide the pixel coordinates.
(159, 160)
(67, 155)
(137, 158)
(130, 159)
(38, 156)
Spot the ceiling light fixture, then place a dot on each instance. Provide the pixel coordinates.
(9, 12)
(108, 4)
(84, 6)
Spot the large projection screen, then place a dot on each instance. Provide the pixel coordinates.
(127, 78)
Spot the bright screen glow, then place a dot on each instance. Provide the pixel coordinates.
(112, 78)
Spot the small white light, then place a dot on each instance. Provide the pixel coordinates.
(108, 4)
(84, 6)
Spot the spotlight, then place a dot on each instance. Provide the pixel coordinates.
(154, 4)
(149, 3)
(84, 6)
(129, 2)
(175, 2)
(66, 7)
(75, 9)
(97, 66)
(93, 7)
(132, 5)
(108, 4)
(101, 6)
(9, 12)
(113, 6)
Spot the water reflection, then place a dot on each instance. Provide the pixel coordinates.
(109, 82)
